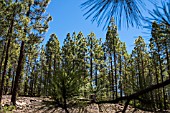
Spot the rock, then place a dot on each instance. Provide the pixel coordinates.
(27, 105)
(32, 100)
(19, 107)
(20, 103)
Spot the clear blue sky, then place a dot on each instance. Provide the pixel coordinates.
(68, 18)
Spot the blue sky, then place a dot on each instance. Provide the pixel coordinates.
(68, 18)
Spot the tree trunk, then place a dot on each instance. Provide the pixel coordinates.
(6, 54)
(7, 81)
(161, 71)
(157, 81)
(54, 70)
(2, 58)
(64, 97)
(120, 73)
(6, 58)
(151, 93)
(65, 105)
(19, 67)
(167, 56)
(13, 78)
(18, 73)
(96, 66)
(25, 88)
(91, 62)
(115, 69)
(112, 82)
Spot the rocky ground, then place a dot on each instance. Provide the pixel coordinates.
(45, 105)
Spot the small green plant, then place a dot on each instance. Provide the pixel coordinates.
(7, 109)
(65, 86)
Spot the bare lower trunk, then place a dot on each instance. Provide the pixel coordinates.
(4, 72)
(18, 74)
(7, 81)
(112, 76)
(2, 58)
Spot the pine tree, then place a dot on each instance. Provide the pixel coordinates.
(33, 19)
(95, 58)
(111, 43)
(43, 68)
(11, 16)
(141, 60)
(159, 47)
(52, 59)
(67, 80)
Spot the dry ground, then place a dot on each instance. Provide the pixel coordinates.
(46, 105)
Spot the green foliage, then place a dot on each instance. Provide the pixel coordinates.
(65, 85)
(8, 109)
(84, 66)
(128, 12)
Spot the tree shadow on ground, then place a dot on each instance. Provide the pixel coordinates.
(48, 106)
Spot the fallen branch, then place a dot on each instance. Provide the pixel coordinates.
(137, 94)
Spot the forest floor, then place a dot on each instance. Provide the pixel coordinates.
(46, 105)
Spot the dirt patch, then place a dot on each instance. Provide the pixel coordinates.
(47, 105)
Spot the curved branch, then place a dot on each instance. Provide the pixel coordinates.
(137, 94)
